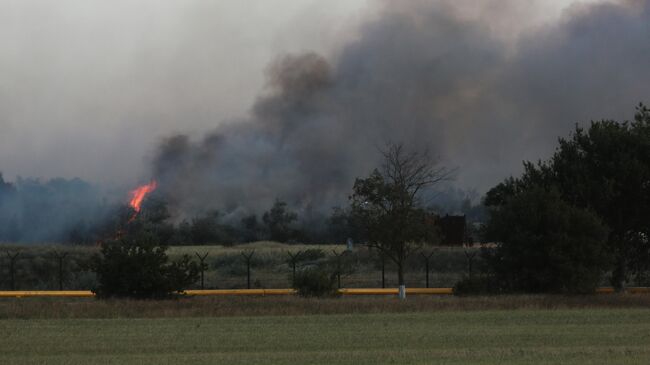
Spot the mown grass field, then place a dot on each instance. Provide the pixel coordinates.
(568, 336)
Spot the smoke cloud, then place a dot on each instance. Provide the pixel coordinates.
(461, 78)
(116, 93)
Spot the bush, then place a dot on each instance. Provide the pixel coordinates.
(140, 268)
(477, 285)
(315, 282)
(311, 255)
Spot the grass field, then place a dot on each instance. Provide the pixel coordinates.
(592, 336)
(257, 306)
(518, 329)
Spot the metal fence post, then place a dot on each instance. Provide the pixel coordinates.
(60, 257)
(248, 257)
(12, 267)
(202, 266)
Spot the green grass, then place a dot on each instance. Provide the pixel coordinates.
(589, 336)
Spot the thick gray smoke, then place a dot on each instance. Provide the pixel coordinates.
(426, 75)
(56, 210)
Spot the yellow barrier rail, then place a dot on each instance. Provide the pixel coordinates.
(218, 292)
(47, 293)
(631, 290)
(394, 291)
(271, 292)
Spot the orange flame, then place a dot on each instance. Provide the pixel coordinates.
(138, 194)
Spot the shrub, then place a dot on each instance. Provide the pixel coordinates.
(476, 285)
(311, 255)
(140, 268)
(315, 282)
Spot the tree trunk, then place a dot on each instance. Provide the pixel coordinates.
(60, 273)
(400, 274)
(426, 267)
(469, 267)
(400, 279)
(248, 275)
(12, 270)
(619, 273)
(383, 273)
(618, 276)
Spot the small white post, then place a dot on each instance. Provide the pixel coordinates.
(402, 292)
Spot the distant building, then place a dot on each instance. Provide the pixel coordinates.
(452, 230)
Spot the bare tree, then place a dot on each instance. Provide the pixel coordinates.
(388, 206)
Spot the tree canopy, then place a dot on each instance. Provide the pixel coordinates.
(279, 221)
(604, 168)
(546, 244)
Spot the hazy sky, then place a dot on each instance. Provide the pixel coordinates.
(88, 88)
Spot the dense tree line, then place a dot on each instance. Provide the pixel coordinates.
(76, 212)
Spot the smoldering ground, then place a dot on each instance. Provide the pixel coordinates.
(422, 73)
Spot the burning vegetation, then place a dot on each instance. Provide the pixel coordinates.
(138, 195)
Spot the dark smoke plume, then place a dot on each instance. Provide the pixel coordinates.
(424, 75)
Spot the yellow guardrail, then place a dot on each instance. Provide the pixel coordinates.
(217, 292)
(631, 290)
(46, 293)
(394, 291)
(270, 292)
(232, 292)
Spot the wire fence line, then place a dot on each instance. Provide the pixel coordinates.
(67, 268)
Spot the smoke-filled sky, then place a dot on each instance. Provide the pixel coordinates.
(255, 100)
(88, 87)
